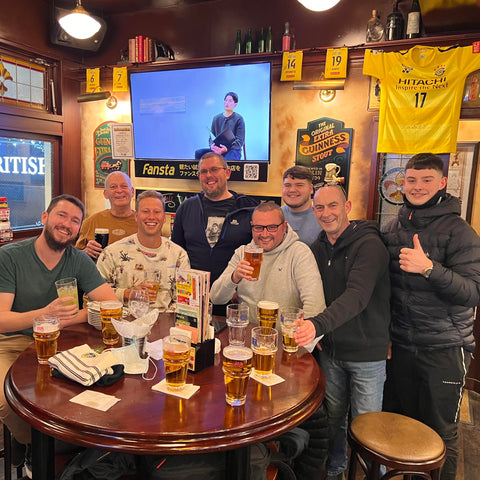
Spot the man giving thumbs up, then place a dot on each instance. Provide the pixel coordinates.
(435, 277)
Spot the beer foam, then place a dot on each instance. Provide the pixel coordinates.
(267, 304)
(102, 231)
(237, 353)
(46, 328)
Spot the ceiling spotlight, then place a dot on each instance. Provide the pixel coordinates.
(319, 5)
(79, 23)
(93, 97)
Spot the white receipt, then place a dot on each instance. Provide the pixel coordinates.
(97, 400)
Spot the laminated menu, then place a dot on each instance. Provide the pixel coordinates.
(192, 288)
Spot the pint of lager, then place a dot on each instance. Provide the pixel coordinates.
(237, 365)
(101, 236)
(152, 277)
(253, 255)
(176, 355)
(267, 313)
(290, 319)
(108, 310)
(264, 346)
(46, 330)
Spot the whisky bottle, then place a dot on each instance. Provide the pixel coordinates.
(375, 30)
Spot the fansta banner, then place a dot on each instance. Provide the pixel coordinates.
(325, 147)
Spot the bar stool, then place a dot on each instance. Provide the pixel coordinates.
(404, 445)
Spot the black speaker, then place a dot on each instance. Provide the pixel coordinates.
(58, 36)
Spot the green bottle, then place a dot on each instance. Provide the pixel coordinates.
(238, 43)
(268, 41)
(248, 41)
(261, 41)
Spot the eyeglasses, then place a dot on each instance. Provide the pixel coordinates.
(214, 170)
(261, 228)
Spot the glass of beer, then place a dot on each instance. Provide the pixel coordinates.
(264, 346)
(237, 321)
(253, 255)
(101, 236)
(46, 329)
(267, 313)
(110, 309)
(67, 287)
(237, 365)
(176, 355)
(152, 277)
(290, 319)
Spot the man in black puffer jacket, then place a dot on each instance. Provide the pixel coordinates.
(435, 279)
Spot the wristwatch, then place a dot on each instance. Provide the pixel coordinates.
(427, 272)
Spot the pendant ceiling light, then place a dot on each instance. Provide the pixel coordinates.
(79, 24)
(318, 5)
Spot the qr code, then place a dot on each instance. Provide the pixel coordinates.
(250, 171)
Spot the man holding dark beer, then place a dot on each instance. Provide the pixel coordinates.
(288, 274)
(28, 271)
(119, 219)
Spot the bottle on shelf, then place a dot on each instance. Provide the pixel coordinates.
(269, 41)
(286, 38)
(248, 41)
(261, 41)
(238, 43)
(375, 30)
(395, 24)
(414, 21)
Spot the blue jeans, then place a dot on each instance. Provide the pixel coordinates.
(351, 387)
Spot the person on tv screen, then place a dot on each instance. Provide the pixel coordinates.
(230, 127)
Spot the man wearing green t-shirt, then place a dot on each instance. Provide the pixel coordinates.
(28, 271)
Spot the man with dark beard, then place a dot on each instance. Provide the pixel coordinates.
(28, 271)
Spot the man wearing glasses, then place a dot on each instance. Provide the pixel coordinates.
(288, 275)
(212, 224)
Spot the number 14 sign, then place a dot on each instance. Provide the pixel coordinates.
(336, 63)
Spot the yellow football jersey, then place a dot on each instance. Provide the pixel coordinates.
(421, 96)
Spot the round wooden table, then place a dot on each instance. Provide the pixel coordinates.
(149, 422)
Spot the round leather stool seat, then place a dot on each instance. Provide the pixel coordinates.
(402, 444)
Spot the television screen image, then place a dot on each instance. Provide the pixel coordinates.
(178, 113)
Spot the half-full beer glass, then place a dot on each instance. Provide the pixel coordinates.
(264, 346)
(237, 365)
(176, 355)
(110, 309)
(46, 330)
(290, 319)
(267, 313)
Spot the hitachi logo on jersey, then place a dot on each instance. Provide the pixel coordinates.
(418, 82)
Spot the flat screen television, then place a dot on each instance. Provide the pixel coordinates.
(172, 110)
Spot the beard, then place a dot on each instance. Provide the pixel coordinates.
(54, 244)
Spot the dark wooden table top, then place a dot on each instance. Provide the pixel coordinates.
(149, 422)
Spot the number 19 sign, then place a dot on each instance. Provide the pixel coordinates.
(336, 63)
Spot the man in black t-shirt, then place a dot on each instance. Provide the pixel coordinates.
(212, 224)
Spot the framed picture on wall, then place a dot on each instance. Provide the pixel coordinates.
(462, 172)
(374, 93)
